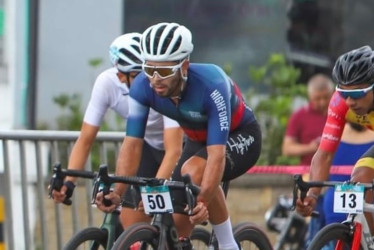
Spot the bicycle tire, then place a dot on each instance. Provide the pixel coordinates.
(328, 236)
(89, 238)
(142, 234)
(250, 236)
(200, 238)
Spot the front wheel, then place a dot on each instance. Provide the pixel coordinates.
(333, 236)
(249, 236)
(200, 238)
(137, 236)
(89, 238)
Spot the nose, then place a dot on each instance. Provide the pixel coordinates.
(350, 102)
(156, 75)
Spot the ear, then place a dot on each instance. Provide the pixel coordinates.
(185, 66)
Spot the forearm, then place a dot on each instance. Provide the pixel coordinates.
(213, 172)
(128, 161)
(81, 149)
(173, 143)
(320, 169)
(168, 164)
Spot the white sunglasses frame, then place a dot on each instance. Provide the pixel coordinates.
(174, 69)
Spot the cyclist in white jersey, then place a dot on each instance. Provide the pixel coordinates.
(163, 136)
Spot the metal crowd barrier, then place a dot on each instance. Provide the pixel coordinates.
(26, 161)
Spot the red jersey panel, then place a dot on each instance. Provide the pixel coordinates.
(337, 116)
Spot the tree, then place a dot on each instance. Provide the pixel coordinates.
(275, 88)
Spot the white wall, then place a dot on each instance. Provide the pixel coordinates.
(71, 33)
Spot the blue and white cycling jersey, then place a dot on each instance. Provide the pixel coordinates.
(211, 105)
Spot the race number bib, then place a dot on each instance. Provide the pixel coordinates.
(156, 199)
(349, 198)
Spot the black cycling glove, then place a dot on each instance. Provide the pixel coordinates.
(69, 191)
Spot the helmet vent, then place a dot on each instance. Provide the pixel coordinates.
(166, 44)
(130, 56)
(156, 41)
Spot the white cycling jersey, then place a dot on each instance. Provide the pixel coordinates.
(109, 92)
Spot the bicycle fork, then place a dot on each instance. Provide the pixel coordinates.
(168, 233)
(357, 232)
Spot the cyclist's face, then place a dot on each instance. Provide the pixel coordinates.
(127, 78)
(170, 85)
(363, 105)
(132, 76)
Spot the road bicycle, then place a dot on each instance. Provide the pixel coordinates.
(354, 232)
(101, 237)
(290, 226)
(156, 196)
(104, 236)
(161, 233)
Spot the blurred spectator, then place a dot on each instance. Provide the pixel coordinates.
(304, 131)
(355, 141)
(305, 126)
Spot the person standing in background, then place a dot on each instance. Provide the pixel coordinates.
(304, 131)
(305, 125)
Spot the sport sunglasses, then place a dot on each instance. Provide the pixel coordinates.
(162, 71)
(353, 93)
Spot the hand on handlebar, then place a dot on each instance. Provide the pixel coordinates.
(113, 197)
(63, 194)
(306, 207)
(59, 196)
(200, 213)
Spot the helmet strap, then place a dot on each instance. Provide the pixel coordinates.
(181, 84)
(184, 77)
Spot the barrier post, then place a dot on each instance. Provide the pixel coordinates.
(2, 244)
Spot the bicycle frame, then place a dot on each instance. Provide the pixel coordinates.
(168, 233)
(359, 229)
(357, 223)
(109, 225)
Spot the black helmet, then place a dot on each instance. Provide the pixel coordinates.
(355, 67)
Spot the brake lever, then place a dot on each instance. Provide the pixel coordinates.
(57, 181)
(191, 192)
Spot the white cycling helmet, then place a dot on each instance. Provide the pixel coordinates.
(125, 54)
(166, 42)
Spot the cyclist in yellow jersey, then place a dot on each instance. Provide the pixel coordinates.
(353, 101)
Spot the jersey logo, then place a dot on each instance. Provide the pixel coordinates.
(195, 114)
(221, 106)
(240, 144)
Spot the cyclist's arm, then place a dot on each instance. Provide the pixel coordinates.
(131, 150)
(219, 120)
(128, 160)
(331, 135)
(81, 148)
(173, 140)
(100, 101)
(77, 160)
(213, 172)
(320, 168)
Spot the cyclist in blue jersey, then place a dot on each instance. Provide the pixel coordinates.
(163, 137)
(223, 136)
